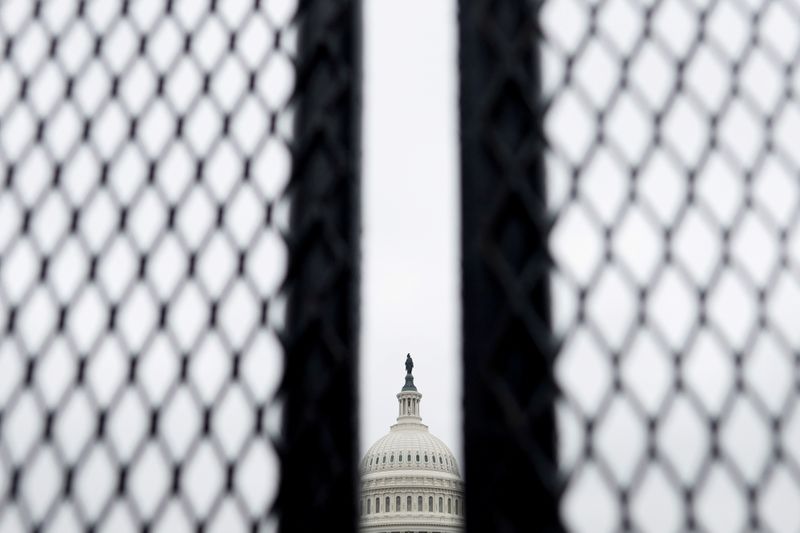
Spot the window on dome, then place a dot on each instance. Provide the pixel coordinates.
(391, 459)
(388, 504)
(419, 503)
(409, 458)
(430, 504)
(440, 459)
(377, 505)
(449, 506)
(384, 459)
(456, 505)
(397, 504)
(426, 457)
(441, 505)
(370, 461)
(369, 505)
(408, 503)
(400, 458)
(417, 457)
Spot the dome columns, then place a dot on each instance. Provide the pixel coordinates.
(409, 406)
(409, 397)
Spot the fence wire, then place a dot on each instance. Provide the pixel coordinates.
(179, 219)
(643, 158)
(671, 129)
(148, 163)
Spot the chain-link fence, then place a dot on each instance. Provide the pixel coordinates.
(172, 174)
(672, 132)
(666, 135)
(178, 265)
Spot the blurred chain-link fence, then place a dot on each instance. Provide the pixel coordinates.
(673, 167)
(162, 172)
(179, 258)
(651, 148)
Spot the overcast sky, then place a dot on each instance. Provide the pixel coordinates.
(410, 217)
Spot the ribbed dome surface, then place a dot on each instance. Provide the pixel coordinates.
(409, 447)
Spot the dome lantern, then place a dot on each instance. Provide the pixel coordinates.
(409, 397)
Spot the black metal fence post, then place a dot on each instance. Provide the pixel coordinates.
(319, 481)
(512, 481)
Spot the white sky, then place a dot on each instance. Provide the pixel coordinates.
(410, 288)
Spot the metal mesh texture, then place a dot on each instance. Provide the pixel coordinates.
(179, 209)
(672, 162)
(646, 156)
(177, 201)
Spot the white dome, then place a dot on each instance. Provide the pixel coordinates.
(409, 478)
(409, 447)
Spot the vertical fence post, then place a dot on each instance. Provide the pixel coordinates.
(512, 481)
(319, 453)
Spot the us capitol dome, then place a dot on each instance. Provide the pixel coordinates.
(409, 478)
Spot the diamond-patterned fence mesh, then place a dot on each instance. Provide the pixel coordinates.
(646, 156)
(179, 258)
(156, 223)
(673, 161)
